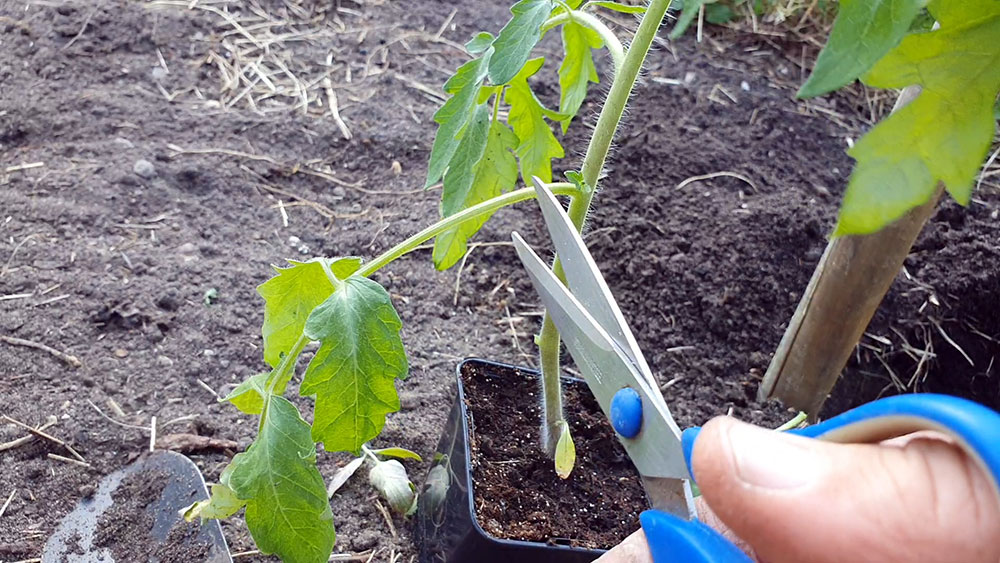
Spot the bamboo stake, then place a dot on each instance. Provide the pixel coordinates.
(846, 288)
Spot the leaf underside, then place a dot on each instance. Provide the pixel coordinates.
(945, 133)
(353, 373)
(577, 70)
(537, 145)
(287, 510)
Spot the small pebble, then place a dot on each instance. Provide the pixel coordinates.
(187, 248)
(159, 73)
(164, 361)
(123, 143)
(339, 191)
(689, 77)
(121, 352)
(745, 86)
(144, 168)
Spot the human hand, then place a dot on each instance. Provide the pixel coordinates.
(789, 498)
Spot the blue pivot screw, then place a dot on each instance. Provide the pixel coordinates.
(626, 412)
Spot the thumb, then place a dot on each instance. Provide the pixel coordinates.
(798, 499)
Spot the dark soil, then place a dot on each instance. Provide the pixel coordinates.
(517, 494)
(114, 267)
(126, 528)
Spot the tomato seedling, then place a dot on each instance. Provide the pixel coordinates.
(492, 130)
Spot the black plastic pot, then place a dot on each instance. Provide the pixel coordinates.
(447, 529)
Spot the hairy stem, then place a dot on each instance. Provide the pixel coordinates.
(484, 208)
(593, 164)
(590, 21)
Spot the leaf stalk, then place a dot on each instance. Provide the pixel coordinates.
(484, 208)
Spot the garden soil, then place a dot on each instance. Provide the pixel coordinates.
(146, 189)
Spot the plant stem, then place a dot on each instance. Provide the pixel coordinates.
(484, 208)
(593, 164)
(793, 423)
(593, 23)
(287, 362)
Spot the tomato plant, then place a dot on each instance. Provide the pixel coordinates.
(493, 130)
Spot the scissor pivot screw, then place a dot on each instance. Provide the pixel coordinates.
(626, 412)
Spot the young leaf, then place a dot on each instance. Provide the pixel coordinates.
(537, 145)
(249, 395)
(863, 33)
(945, 133)
(291, 295)
(517, 39)
(619, 7)
(495, 173)
(565, 452)
(688, 13)
(398, 453)
(453, 116)
(390, 480)
(343, 474)
(287, 510)
(353, 372)
(577, 70)
(479, 43)
(223, 503)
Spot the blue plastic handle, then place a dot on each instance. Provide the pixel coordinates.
(975, 428)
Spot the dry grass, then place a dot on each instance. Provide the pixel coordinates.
(266, 57)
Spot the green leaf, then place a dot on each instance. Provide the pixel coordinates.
(619, 7)
(864, 31)
(291, 295)
(688, 13)
(495, 173)
(719, 14)
(287, 510)
(945, 133)
(223, 503)
(399, 453)
(517, 39)
(353, 372)
(576, 178)
(565, 452)
(577, 70)
(537, 146)
(249, 395)
(479, 43)
(454, 114)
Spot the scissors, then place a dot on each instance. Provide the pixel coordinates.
(606, 353)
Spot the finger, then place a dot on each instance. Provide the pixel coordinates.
(633, 550)
(798, 499)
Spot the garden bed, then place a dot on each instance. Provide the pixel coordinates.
(145, 272)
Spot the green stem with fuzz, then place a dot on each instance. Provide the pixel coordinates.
(484, 208)
(593, 163)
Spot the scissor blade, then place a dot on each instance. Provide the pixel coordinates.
(670, 495)
(585, 280)
(656, 451)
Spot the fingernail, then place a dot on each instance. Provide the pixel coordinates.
(687, 445)
(771, 460)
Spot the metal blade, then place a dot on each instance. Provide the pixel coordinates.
(585, 280)
(670, 495)
(656, 451)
